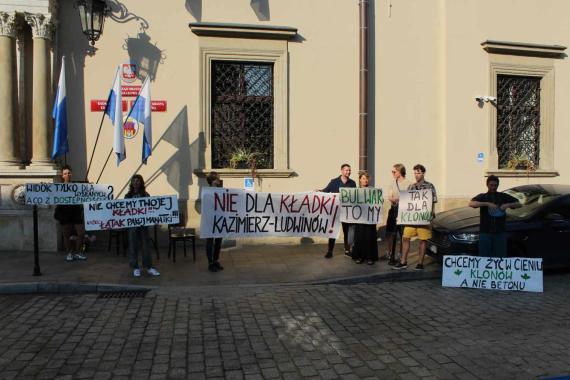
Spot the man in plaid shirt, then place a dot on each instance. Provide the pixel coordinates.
(422, 232)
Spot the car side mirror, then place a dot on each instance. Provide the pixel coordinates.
(554, 217)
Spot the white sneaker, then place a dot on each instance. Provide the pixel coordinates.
(153, 272)
(69, 257)
(80, 256)
(137, 272)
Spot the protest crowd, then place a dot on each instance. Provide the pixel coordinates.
(356, 209)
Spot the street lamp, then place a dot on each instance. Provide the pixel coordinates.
(92, 14)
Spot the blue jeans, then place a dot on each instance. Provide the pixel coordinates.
(493, 244)
(139, 241)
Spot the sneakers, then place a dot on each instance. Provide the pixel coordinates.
(400, 266)
(328, 255)
(80, 256)
(419, 267)
(347, 254)
(136, 272)
(153, 272)
(218, 266)
(69, 257)
(392, 262)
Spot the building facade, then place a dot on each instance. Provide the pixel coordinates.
(467, 88)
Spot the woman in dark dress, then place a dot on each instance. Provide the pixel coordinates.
(365, 246)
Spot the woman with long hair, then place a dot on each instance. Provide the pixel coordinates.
(400, 183)
(138, 236)
(365, 248)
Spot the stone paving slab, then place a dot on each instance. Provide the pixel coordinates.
(243, 266)
(406, 330)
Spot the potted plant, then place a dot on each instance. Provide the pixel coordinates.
(520, 162)
(243, 159)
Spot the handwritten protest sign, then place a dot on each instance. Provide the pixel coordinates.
(415, 207)
(66, 193)
(240, 213)
(361, 205)
(513, 273)
(132, 212)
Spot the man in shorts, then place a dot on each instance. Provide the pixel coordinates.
(423, 232)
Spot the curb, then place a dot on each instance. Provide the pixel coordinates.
(67, 288)
(393, 276)
(91, 288)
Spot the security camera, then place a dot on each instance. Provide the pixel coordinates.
(486, 99)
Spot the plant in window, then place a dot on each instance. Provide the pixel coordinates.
(521, 162)
(243, 159)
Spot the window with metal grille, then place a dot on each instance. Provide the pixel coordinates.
(242, 114)
(518, 121)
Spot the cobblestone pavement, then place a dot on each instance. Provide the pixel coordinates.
(389, 330)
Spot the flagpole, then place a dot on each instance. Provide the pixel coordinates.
(95, 146)
(104, 165)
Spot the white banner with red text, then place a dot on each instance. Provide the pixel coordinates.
(240, 213)
(131, 212)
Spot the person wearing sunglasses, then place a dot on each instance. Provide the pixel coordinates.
(398, 184)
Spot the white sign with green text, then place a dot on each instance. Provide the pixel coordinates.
(494, 273)
(361, 205)
(415, 207)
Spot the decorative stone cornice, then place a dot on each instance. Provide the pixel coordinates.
(524, 49)
(41, 25)
(215, 29)
(8, 24)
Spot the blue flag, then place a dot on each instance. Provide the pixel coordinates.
(59, 115)
(114, 109)
(141, 112)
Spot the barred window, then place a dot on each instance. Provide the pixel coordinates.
(518, 121)
(242, 114)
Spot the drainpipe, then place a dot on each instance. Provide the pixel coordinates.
(363, 108)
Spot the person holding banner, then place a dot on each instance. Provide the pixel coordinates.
(333, 187)
(214, 245)
(392, 229)
(423, 232)
(492, 211)
(365, 247)
(138, 236)
(70, 217)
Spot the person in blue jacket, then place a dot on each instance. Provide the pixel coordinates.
(333, 187)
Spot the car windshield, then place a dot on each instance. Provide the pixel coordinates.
(531, 198)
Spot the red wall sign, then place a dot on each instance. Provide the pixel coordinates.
(98, 105)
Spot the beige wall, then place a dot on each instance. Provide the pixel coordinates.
(323, 91)
(431, 67)
(427, 67)
(468, 24)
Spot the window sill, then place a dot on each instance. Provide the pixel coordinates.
(523, 173)
(240, 173)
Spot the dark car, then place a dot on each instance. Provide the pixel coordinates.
(540, 228)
